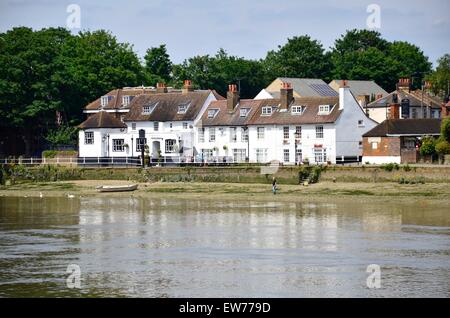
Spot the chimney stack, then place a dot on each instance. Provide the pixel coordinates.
(344, 92)
(394, 111)
(232, 97)
(404, 84)
(187, 87)
(286, 96)
(161, 88)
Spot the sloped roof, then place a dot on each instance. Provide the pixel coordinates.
(116, 98)
(360, 88)
(226, 118)
(308, 87)
(166, 106)
(415, 99)
(310, 115)
(411, 127)
(102, 119)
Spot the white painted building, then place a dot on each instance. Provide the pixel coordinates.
(200, 125)
(167, 118)
(288, 130)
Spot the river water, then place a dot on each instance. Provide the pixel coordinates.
(143, 247)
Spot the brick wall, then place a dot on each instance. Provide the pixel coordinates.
(386, 146)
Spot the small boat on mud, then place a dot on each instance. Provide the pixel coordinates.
(119, 188)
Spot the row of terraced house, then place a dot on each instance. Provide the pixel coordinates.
(292, 121)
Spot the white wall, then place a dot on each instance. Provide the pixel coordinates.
(275, 143)
(264, 94)
(378, 160)
(348, 132)
(223, 138)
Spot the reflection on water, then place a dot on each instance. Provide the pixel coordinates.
(183, 248)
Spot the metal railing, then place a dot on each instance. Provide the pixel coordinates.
(120, 161)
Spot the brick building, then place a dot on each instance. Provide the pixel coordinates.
(397, 140)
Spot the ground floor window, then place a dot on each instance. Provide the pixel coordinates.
(170, 145)
(286, 155)
(261, 155)
(239, 155)
(89, 138)
(320, 155)
(298, 155)
(207, 154)
(140, 142)
(118, 145)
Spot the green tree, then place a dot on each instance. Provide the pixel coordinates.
(299, 57)
(365, 55)
(48, 75)
(30, 93)
(158, 66)
(440, 78)
(411, 61)
(216, 72)
(64, 135)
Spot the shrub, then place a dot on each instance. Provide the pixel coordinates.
(390, 167)
(428, 146)
(406, 168)
(443, 147)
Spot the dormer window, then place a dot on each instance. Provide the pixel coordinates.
(298, 110)
(212, 113)
(267, 111)
(148, 109)
(182, 108)
(126, 100)
(105, 100)
(243, 112)
(324, 109)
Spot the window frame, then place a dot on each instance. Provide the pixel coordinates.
(170, 148)
(302, 110)
(264, 111)
(320, 132)
(118, 147)
(139, 144)
(286, 133)
(260, 133)
(89, 138)
(212, 134)
(286, 152)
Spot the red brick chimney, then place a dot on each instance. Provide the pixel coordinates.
(394, 111)
(404, 84)
(232, 97)
(187, 87)
(286, 96)
(161, 88)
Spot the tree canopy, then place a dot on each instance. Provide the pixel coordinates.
(299, 57)
(158, 66)
(365, 55)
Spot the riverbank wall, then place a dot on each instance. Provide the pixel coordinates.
(239, 174)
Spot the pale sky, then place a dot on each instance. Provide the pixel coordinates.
(247, 28)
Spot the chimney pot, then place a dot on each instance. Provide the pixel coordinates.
(187, 87)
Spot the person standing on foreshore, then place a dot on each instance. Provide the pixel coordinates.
(274, 185)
